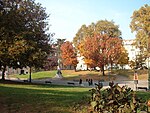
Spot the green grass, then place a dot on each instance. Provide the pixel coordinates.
(144, 95)
(37, 75)
(25, 98)
(20, 98)
(67, 74)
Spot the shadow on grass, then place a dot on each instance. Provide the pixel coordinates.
(39, 98)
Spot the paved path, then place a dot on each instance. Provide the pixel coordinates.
(141, 83)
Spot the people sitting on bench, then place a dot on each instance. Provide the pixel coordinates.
(48, 82)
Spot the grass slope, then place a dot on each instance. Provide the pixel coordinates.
(30, 98)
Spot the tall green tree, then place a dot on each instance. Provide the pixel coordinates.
(9, 28)
(23, 37)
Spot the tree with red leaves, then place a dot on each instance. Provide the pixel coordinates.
(100, 50)
(68, 54)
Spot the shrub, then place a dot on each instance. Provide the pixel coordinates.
(115, 99)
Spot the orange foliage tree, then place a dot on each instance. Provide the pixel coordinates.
(100, 50)
(68, 54)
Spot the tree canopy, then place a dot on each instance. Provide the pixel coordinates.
(100, 50)
(100, 43)
(101, 27)
(141, 25)
(24, 40)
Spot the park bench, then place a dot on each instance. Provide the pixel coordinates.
(25, 81)
(145, 88)
(71, 83)
(48, 82)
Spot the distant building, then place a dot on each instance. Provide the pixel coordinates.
(128, 45)
(132, 50)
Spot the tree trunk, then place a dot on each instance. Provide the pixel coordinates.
(70, 67)
(30, 75)
(3, 73)
(87, 68)
(103, 71)
(111, 67)
(75, 68)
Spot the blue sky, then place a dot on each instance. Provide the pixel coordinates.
(67, 16)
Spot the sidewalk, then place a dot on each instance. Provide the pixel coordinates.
(55, 81)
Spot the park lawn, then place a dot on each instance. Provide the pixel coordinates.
(36, 75)
(33, 98)
(25, 98)
(72, 75)
(67, 74)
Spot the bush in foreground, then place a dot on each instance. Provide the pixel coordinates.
(115, 99)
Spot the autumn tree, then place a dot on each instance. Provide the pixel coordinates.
(89, 48)
(100, 50)
(108, 27)
(101, 27)
(95, 39)
(114, 47)
(68, 54)
(80, 35)
(141, 25)
(23, 38)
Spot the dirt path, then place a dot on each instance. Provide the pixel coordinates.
(121, 78)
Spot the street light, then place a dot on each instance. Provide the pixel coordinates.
(148, 60)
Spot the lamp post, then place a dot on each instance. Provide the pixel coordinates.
(148, 74)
